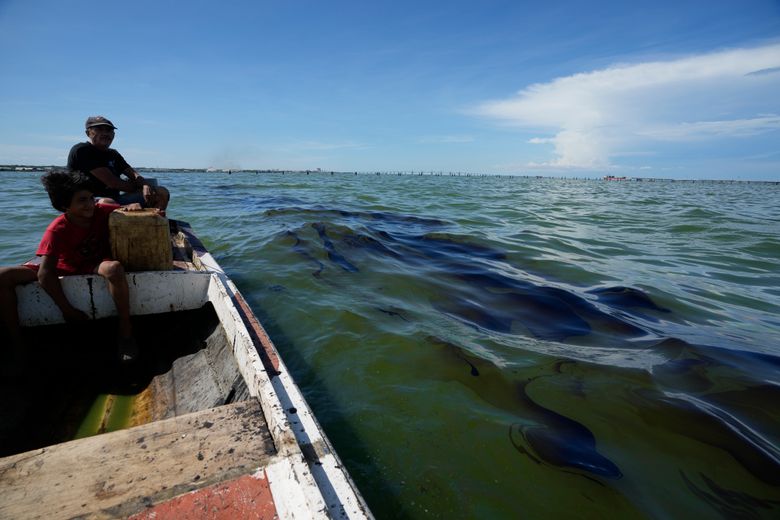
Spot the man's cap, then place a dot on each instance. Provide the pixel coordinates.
(98, 121)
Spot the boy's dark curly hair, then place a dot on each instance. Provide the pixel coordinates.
(61, 185)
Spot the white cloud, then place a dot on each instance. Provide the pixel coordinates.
(72, 139)
(772, 70)
(321, 146)
(445, 139)
(598, 115)
(30, 154)
(706, 129)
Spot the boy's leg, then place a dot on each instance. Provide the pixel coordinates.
(10, 277)
(114, 274)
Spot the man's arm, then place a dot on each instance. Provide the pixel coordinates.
(134, 177)
(47, 277)
(105, 176)
(87, 158)
(149, 191)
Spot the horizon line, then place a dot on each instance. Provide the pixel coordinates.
(26, 168)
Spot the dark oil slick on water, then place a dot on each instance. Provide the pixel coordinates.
(509, 347)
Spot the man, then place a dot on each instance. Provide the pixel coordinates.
(105, 166)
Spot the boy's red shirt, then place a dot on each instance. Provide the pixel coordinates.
(78, 250)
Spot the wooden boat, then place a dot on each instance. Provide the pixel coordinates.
(207, 423)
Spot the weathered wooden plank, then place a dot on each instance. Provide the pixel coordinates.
(122, 473)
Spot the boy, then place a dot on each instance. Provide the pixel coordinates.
(75, 242)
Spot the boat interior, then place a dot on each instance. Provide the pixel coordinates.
(69, 384)
(84, 435)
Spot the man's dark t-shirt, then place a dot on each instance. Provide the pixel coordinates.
(85, 157)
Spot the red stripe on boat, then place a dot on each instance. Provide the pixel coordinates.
(259, 337)
(245, 497)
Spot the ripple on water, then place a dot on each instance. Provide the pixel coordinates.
(614, 344)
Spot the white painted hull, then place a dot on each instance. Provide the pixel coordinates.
(151, 292)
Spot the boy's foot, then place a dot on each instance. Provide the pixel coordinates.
(127, 350)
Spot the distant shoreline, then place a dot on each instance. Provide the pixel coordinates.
(23, 168)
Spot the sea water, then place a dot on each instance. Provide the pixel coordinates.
(509, 347)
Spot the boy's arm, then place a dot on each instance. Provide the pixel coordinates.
(47, 277)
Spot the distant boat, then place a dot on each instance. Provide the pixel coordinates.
(613, 178)
(207, 422)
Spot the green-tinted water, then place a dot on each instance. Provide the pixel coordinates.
(509, 347)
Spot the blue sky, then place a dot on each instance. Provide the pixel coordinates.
(683, 89)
